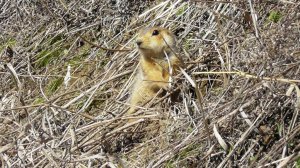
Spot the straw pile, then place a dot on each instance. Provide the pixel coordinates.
(67, 68)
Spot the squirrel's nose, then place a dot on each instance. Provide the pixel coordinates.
(138, 42)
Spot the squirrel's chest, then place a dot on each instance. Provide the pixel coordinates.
(154, 72)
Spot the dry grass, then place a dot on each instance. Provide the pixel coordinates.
(239, 93)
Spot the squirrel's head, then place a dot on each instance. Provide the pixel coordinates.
(152, 42)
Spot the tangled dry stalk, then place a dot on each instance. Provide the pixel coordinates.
(67, 68)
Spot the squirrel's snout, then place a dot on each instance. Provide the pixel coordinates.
(139, 42)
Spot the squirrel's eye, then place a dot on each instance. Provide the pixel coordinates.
(155, 32)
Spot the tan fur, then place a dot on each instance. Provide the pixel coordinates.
(153, 72)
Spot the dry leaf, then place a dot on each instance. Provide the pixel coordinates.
(220, 139)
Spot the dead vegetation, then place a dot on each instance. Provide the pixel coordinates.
(67, 67)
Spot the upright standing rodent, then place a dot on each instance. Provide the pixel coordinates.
(157, 63)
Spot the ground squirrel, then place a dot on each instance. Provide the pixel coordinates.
(158, 62)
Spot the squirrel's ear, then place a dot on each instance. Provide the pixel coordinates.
(178, 31)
